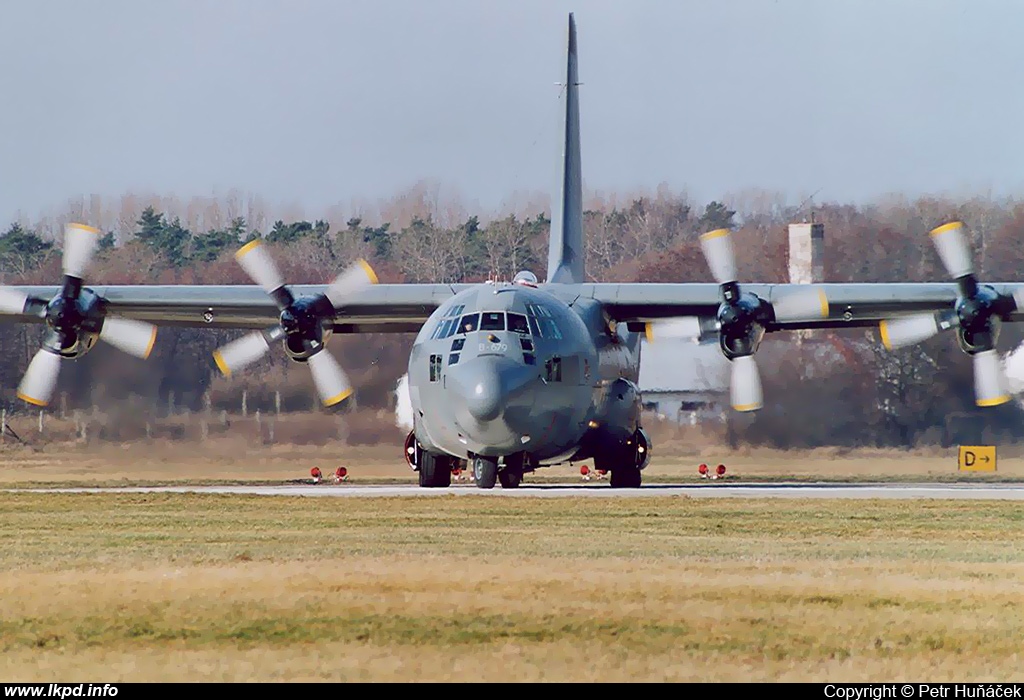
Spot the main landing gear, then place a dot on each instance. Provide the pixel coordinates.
(625, 462)
(435, 470)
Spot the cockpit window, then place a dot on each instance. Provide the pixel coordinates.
(534, 328)
(447, 325)
(517, 324)
(542, 324)
(548, 329)
(469, 323)
(492, 321)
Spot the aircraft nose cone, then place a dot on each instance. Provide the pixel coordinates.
(484, 388)
(484, 393)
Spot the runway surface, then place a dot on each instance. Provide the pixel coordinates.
(1013, 492)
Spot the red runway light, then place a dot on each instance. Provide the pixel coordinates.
(341, 473)
(703, 469)
(315, 472)
(720, 470)
(584, 470)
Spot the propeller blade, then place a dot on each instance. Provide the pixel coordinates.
(11, 301)
(746, 384)
(260, 267)
(80, 242)
(951, 244)
(682, 328)
(241, 352)
(990, 384)
(331, 382)
(40, 378)
(801, 305)
(355, 278)
(133, 337)
(717, 246)
(907, 330)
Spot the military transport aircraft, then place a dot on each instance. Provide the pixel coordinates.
(515, 376)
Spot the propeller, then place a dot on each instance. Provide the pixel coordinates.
(741, 319)
(75, 318)
(976, 316)
(301, 324)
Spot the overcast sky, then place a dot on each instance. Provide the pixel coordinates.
(322, 102)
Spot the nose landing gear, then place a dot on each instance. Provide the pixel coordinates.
(485, 471)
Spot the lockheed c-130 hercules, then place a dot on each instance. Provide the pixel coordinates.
(513, 377)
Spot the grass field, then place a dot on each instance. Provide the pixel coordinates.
(204, 587)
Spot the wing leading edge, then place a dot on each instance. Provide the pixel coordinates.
(850, 305)
(382, 308)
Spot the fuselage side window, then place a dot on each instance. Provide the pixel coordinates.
(553, 369)
(492, 321)
(517, 323)
(469, 323)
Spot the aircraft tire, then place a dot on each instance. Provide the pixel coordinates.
(485, 469)
(510, 478)
(626, 478)
(435, 471)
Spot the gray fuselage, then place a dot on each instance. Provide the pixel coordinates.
(504, 369)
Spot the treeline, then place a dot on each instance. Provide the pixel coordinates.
(838, 388)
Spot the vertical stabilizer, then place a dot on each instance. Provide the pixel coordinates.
(565, 252)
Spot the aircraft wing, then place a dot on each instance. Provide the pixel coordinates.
(905, 314)
(844, 306)
(380, 308)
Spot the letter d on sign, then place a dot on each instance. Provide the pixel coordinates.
(977, 458)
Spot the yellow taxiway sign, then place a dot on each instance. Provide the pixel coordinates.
(977, 458)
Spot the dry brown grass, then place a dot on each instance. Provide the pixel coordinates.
(236, 459)
(369, 445)
(205, 587)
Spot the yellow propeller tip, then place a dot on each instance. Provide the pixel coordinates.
(84, 227)
(369, 271)
(744, 407)
(247, 248)
(152, 342)
(32, 400)
(717, 233)
(997, 401)
(952, 225)
(883, 330)
(649, 332)
(221, 364)
(338, 399)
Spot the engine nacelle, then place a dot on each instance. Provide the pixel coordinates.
(77, 322)
(299, 349)
(982, 337)
(307, 327)
(80, 344)
(740, 325)
(979, 320)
